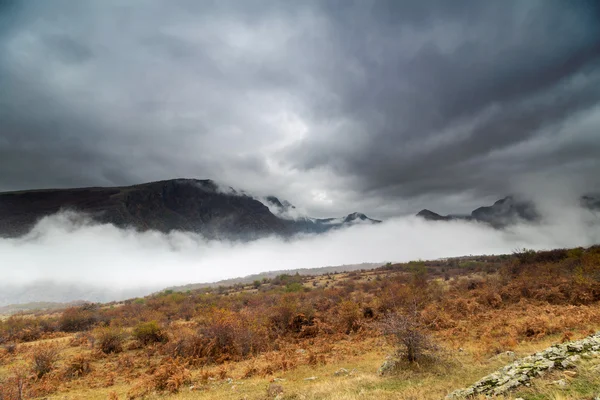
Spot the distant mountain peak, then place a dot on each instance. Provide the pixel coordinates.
(431, 216)
(357, 216)
(504, 212)
(205, 184)
(275, 201)
(284, 205)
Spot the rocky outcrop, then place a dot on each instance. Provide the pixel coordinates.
(388, 367)
(520, 372)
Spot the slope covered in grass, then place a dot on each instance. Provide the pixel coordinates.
(312, 337)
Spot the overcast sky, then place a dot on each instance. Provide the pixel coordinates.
(384, 107)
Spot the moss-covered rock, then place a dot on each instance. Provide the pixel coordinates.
(560, 356)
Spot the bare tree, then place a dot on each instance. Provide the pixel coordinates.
(409, 334)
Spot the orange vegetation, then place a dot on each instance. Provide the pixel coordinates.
(165, 341)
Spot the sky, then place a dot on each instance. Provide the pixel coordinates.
(383, 107)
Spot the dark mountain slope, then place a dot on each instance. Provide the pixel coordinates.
(181, 204)
(502, 213)
(505, 211)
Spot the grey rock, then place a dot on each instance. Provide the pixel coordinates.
(506, 354)
(274, 390)
(521, 371)
(388, 367)
(560, 383)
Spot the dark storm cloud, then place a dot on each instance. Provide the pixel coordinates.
(382, 106)
(476, 82)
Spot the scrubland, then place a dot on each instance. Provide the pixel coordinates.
(317, 337)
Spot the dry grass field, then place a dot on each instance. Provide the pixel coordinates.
(447, 323)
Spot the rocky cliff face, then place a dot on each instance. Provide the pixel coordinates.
(181, 204)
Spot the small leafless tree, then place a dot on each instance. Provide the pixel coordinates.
(409, 334)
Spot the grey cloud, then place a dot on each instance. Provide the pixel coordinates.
(521, 71)
(378, 106)
(67, 49)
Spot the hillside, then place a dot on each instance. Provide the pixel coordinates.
(47, 291)
(192, 205)
(506, 211)
(340, 335)
(42, 306)
(245, 280)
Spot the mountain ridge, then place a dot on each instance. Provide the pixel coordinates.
(504, 212)
(193, 205)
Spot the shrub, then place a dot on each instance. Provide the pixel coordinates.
(185, 343)
(20, 328)
(170, 376)
(349, 316)
(11, 348)
(110, 340)
(113, 396)
(44, 360)
(286, 279)
(294, 287)
(409, 335)
(281, 316)
(15, 385)
(48, 325)
(149, 332)
(81, 339)
(76, 319)
(233, 335)
(418, 272)
(525, 256)
(77, 366)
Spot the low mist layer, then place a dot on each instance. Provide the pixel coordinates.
(69, 250)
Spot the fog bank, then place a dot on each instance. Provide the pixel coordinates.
(69, 249)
